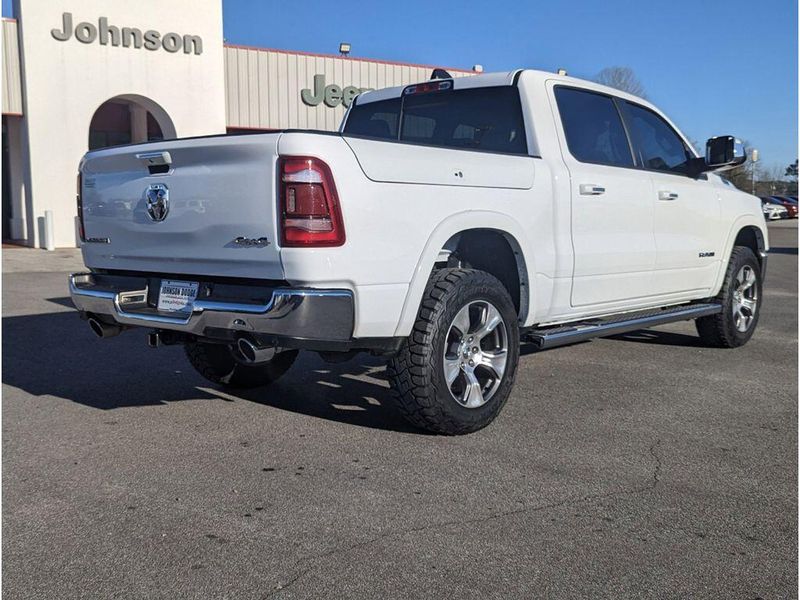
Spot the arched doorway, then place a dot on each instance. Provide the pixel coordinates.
(128, 119)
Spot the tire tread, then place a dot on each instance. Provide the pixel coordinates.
(716, 330)
(414, 389)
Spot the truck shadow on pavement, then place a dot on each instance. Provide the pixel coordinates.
(662, 338)
(56, 354)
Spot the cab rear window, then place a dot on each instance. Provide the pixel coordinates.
(488, 119)
(375, 119)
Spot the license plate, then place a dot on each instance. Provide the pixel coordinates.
(177, 296)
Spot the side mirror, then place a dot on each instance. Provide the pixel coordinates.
(724, 152)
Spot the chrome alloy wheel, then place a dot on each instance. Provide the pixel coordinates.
(745, 298)
(475, 354)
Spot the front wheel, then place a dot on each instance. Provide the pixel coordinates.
(456, 370)
(740, 298)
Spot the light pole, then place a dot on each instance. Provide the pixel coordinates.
(753, 160)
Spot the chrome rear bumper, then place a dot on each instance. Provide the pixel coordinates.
(305, 313)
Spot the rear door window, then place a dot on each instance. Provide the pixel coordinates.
(488, 119)
(593, 127)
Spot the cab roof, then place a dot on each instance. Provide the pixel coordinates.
(499, 78)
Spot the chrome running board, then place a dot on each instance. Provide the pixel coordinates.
(570, 333)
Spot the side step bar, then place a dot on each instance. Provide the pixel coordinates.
(560, 335)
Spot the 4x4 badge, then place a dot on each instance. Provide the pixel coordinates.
(157, 201)
(251, 242)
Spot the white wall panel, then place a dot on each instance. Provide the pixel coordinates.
(12, 80)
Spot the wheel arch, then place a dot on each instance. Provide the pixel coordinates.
(455, 238)
(751, 237)
(746, 231)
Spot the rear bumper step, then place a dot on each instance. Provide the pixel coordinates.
(560, 335)
(309, 314)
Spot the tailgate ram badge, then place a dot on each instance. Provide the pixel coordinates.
(157, 201)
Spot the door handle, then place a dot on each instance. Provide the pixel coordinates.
(667, 195)
(591, 189)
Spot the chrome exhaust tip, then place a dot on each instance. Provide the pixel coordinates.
(252, 353)
(103, 330)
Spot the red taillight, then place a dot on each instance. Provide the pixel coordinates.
(431, 86)
(79, 199)
(310, 213)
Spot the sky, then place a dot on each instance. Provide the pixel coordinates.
(714, 67)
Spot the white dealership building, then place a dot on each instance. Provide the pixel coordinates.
(84, 74)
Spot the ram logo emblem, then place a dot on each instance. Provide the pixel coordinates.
(157, 201)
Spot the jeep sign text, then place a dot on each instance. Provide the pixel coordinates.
(332, 95)
(128, 37)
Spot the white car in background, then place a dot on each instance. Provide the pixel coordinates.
(774, 212)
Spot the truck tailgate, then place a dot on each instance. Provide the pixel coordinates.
(217, 189)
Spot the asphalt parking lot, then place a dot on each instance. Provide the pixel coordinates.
(640, 466)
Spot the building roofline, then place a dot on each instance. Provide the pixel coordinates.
(337, 56)
(9, 19)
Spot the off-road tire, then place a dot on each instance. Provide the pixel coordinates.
(416, 372)
(216, 363)
(720, 330)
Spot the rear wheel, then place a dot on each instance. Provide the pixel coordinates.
(740, 298)
(455, 372)
(218, 364)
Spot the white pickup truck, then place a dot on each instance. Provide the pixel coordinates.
(444, 223)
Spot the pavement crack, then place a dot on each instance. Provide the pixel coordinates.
(657, 459)
(654, 481)
(282, 587)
